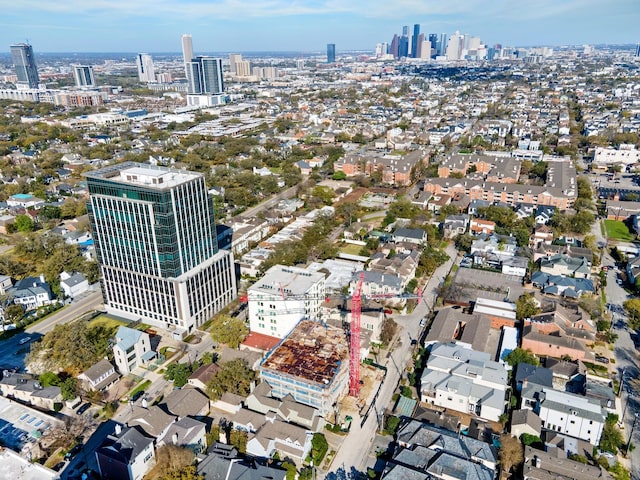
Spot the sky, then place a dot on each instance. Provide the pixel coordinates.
(306, 25)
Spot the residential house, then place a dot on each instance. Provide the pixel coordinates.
(186, 402)
(453, 325)
(29, 390)
(515, 266)
(5, 284)
(464, 380)
(376, 283)
(203, 375)
(411, 235)
(74, 284)
(153, 421)
(31, 292)
(539, 464)
(126, 454)
(478, 226)
(188, 433)
(401, 265)
(132, 349)
(541, 235)
(633, 270)
(455, 225)
(621, 210)
(99, 376)
(6, 223)
(544, 214)
(525, 421)
(566, 413)
(25, 200)
(560, 285)
(561, 264)
(223, 462)
(414, 433)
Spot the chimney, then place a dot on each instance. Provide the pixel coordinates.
(42, 278)
(174, 438)
(118, 429)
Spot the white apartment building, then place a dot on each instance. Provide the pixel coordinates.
(465, 380)
(566, 413)
(283, 297)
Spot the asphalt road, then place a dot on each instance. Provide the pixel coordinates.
(355, 453)
(12, 353)
(272, 202)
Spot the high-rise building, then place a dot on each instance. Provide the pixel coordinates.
(187, 48)
(187, 52)
(83, 76)
(403, 46)
(443, 44)
(420, 43)
(204, 75)
(637, 49)
(146, 72)
(416, 42)
(24, 62)
(394, 47)
(234, 60)
(155, 239)
(331, 53)
(433, 39)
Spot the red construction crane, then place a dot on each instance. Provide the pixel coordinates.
(354, 342)
(354, 330)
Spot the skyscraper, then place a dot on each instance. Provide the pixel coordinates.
(155, 239)
(443, 44)
(146, 72)
(415, 41)
(433, 39)
(637, 49)
(187, 48)
(25, 64)
(403, 46)
(331, 53)
(234, 60)
(83, 75)
(204, 75)
(393, 48)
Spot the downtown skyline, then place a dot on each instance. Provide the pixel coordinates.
(156, 26)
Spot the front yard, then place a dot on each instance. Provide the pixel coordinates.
(618, 230)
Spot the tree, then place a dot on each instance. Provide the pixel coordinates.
(24, 223)
(611, 439)
(511, 452)
(632, 307)
(69, 388)
(173, 463)
(228, 330)
(48, 379)
(388, 330)
(339, 175)
(235, 377)
(526, 306)
(464, 241)
(519, 355)
(13, 313)
(178, 373)
(238, 439)
(319, 448)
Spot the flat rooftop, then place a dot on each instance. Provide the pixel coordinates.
(288, 280)
(142, 174)
(312, 351)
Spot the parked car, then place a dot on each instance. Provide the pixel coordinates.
(83, 408)
(75, 449)
(137, 395)
(602, 359)
(24, 340)
(423, 322)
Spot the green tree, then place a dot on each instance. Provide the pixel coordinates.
(178, 373)
(526, 306)
(48, 379)
(339, 175)
(24, 223)
(519, 355)
(69, 388)
(13, 313)
(464, 241)
(235, 377)
(319, 448)
(238, 439)
(632, 307)
(228, 330)
(611, 439)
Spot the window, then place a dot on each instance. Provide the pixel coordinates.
(148, 457)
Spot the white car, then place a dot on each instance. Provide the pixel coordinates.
(24, 340)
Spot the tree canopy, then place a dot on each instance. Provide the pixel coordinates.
(234, 377)
(228, 330)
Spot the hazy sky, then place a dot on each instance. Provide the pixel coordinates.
(305, 25)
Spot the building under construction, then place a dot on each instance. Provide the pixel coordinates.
(311, 364)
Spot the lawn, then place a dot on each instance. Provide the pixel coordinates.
(106, 322)
(351, 249)
(618, 231)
